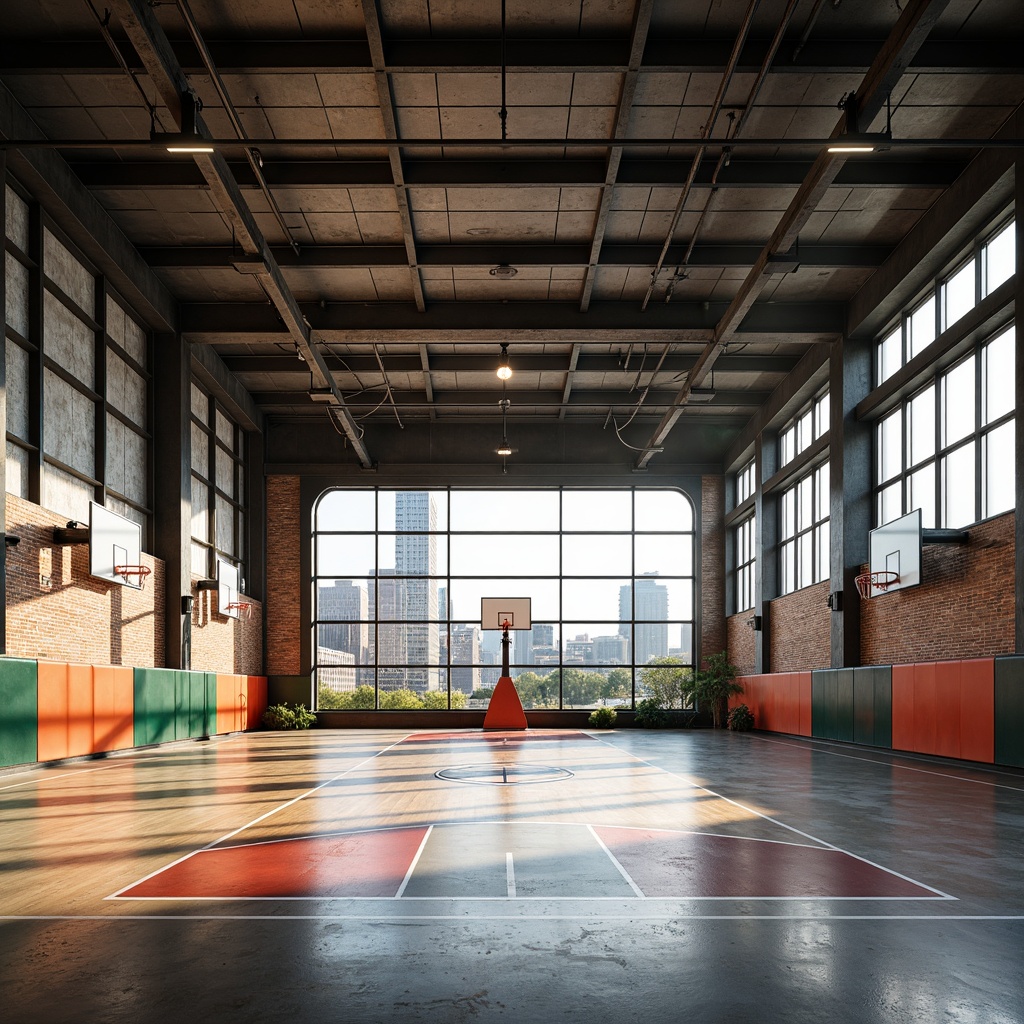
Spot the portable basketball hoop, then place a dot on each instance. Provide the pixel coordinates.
(883, 580)
(140, 572)
(242, 607)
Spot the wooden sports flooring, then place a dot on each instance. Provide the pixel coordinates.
(379, 875)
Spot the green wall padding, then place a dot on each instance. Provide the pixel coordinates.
(853, 705)
(1009, 710)
(19, 729)
(172, 704)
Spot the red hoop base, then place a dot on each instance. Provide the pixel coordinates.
(127, 571)
(876, 580)
(242, 607)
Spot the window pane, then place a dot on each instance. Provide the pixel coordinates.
(659, 510)
(1000, 478)
(788, 558)
(921, 494)
(921, 424)
(890, 354)
(348, 556)
(506, 510)
(422, 554)
(605, 600)
(466, 594)
(600, 510)
(999, 376)
(890, 446)
(1000, 258)
(958, 402)
(958, 470)
(822, 569)
(595, 555)
(921, 327)
(669, 554)
(787, 446)
(823, 496)
(529, 555)
(789, 513)
(958, 294)
(413, 511)
(821, 414)
(804, 514)
(805, 431)
(890, 503)
(347, 510)
(806, 560)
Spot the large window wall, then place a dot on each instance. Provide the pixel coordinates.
(77, 373)
(399, 577)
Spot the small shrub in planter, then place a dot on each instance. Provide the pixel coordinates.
(650, 714)
(280, 716)
(741, 719)
(603, 718)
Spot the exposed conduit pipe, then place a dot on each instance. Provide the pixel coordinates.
(716, 107)
(251, 153)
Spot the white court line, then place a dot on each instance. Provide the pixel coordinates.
(892, 764)
(415, 861)
(775, 821)
(618, 866)
(510, 877)
(255, 821)
(535, 899)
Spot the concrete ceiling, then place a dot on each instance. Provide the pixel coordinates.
(367, 218)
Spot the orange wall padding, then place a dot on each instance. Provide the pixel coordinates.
(945, 708)
(241, 701)
(83, 709)
(780, 702)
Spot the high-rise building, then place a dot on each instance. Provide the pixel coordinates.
(579, 651)
(466, 651)
(648, 607)
(611, 650)
(346, 603)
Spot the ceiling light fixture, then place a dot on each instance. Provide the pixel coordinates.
(852, 140)
(504, 271)
(504, 370)
(189, 139)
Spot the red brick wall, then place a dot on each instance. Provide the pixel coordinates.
(56, 610)
(800, 627)
(964, 607)
(713, 637)
(285, 536)
(741, 641)
(221, 643)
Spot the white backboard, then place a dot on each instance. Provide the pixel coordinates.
(113, 541)
(896, 547)
(227, 588)
(496, 611)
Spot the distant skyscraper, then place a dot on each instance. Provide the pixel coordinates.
(611, 650)
(650, 603)
(466, 651)
(347, 602)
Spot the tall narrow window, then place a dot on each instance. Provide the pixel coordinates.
(804, 531)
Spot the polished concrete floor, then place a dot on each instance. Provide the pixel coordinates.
(597, 877)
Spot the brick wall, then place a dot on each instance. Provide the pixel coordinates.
(285, 536)
(741, 641)
(800, 625)
(221, 643)
(56, 610)
(713, 636)
(964, 607)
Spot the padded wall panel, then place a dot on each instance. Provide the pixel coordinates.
(155, 703)
(232, 696)
(977, 710)
(18, 721)
(903, 707)
(824, 705)
(52, 711)
(844, 704)
(113, 711)
(256, 700)
(1009, 710)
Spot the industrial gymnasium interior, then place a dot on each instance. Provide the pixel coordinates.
(666, 331)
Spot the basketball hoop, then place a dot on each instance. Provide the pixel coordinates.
(140, 572)
(878, 580)
(242, 607)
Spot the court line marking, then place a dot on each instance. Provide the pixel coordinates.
(638, 892)
(893, 764)
(257, 820)
(412, 865)
(775, 821)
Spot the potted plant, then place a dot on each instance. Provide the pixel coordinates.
(712, 686)
(741, 719)
(280, 716)
(603, 718)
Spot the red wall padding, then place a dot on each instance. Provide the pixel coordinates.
(241, 701)
(945, 708)
(780, 702)
(84, 709)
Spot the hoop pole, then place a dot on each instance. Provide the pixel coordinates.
(506, 643)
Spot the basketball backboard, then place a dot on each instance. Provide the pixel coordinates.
(496, 611)
(896, 548)
(227, 589)
(114, 542)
